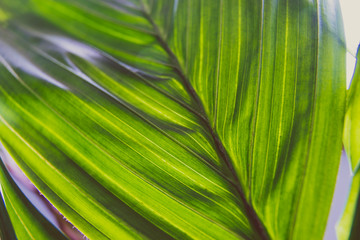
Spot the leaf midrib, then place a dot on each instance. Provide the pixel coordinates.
(81, 133)
(254, 220)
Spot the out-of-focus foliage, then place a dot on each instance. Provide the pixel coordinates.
(348, 227)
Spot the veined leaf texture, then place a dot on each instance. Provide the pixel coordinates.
(174, 119)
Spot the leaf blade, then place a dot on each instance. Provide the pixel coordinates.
(346, 228)
(26, 220)
(154, 110)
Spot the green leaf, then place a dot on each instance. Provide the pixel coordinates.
(26, 220)
(348, 226)
(178, 119)
(351, 137)
(6, 228)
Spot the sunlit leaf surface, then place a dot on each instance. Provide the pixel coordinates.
(352, 120)
(177, 119)
(348, 227)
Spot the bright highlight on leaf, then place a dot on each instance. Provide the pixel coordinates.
(166, 119)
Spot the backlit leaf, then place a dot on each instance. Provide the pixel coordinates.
(348, 227)
(178, 119)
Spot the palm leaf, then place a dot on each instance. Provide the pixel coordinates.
(351, 137)
(177, 119)
(6, 229)
(27, 222)
(348, 225)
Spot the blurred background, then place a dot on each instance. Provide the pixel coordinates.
(351, 17)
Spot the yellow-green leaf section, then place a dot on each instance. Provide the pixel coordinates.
(348, 226)
(167, 119)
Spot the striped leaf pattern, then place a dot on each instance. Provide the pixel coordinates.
(168, 119)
